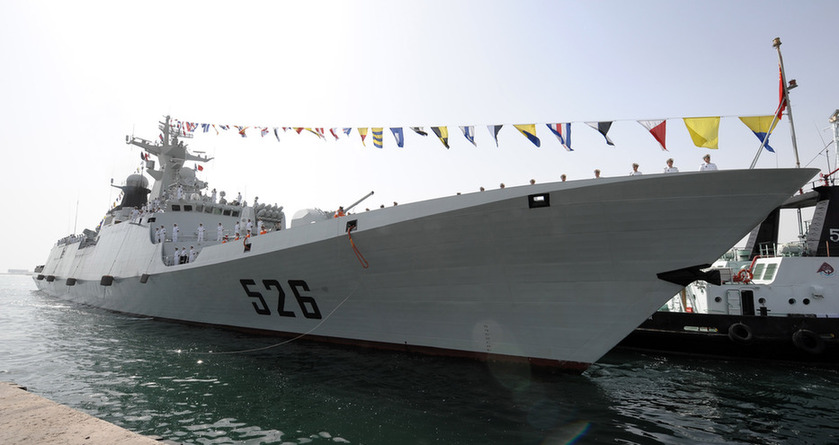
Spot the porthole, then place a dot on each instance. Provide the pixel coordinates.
(717, 299)
(806, 301)
(761, 300)
(792, 301)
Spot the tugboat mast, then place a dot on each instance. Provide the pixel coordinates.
(783, 103)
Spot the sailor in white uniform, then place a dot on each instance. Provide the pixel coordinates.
(219, 232)
(175, 257)
(200, 233)
(213, 196)
(708, 165)
(192, 254)
(670, 168)
(175, 233)
(236, 229)
(634, 171)
(162, 237)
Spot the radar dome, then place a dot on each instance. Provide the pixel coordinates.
(138, 181)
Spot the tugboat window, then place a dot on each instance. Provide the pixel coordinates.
(770, 271)
(176, 207)
(187, 208)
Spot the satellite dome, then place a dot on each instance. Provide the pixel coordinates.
(138, 181)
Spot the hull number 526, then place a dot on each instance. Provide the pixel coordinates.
(308, 305)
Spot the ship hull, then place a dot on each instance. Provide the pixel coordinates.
(553, 274)
(798, 339)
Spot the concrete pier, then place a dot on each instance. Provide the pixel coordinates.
(26, 418)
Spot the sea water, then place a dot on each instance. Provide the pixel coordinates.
(200, 385)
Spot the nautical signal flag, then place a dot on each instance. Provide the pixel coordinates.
(443, 134)
(377, 137)
(705, 131)
(493, 131)
(469, 134)
(602, 128)
(529, 131)
(419, 130)
(363, 133)
(399, 135)
(657, 128)
(563, 133)
(762, 127)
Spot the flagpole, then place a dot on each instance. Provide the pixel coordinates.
(776, 43)
(766, 138)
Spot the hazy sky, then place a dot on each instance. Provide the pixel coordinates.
(78, 76)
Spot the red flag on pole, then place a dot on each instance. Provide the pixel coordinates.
(782, 103)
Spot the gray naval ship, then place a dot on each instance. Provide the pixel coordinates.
(553, 274)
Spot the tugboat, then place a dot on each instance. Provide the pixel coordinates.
(768, 301)
(524, 274)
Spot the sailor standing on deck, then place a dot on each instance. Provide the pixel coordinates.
(162, 237)
(670, 168)
(191, 254)
(708, 165)
(175, 233)
(175, 257)
(200, 233)
(634, 171)
(236, 229)
(249, 226)
(213, 196)
(219, 232)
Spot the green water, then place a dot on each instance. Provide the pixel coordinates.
(172, 381)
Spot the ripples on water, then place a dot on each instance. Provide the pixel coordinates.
(159, 379)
